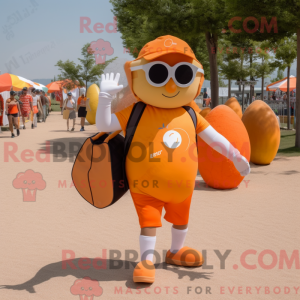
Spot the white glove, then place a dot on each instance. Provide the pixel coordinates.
(110, 85)
(105, 121)
(240, 163)
(223, 146)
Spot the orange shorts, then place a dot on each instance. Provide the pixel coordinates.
(149, 210)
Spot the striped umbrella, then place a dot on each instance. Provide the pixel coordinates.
(39, 86)
(282, 84)
(8, 81)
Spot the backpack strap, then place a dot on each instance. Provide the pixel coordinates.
(192, 114)
(132, 124)
(133, 121)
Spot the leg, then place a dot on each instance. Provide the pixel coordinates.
(73, 123)
(10, 121)
(149, 211)
(178, 214)
(82, 122)
(44, 113)
(35, 120)
(16, 123)
(68, 124)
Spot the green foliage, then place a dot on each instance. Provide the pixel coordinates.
(222, 83)
(280, 75)
(286, 51)
(141, 21)
(81, 74)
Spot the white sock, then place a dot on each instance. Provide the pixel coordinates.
(178, 237)
(147, 243)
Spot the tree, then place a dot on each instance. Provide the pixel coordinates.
(280, 75)
(238, 56)
(81, 74)
(284, 17)
(286, 54)
(222, 83)
(195, 21)
(264, 68)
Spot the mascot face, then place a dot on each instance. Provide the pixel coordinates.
(158, 84)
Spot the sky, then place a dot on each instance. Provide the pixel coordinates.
(35, 34)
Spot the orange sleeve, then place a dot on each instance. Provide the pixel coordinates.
(201, 123)
(123, 116)
(78, 101)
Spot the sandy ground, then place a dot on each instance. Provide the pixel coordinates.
(261, 215)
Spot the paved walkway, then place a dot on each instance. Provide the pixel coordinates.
(262, 215)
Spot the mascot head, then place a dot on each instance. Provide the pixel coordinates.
(166, 73)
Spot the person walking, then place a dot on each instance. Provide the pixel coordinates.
(205, 96)
(44, 102)
(12, 111)
(35, 103)
(40, 107)
(26, 106)
(284, 97)
(69, 104)
(81, 108)
(1, 111)
(49, 100)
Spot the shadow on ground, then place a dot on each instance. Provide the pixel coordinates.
(64, 148)
(114, 270)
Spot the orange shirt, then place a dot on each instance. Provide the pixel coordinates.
(162, 160)
(12, 108)
(80, 99)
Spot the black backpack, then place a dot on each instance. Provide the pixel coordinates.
(109, 167)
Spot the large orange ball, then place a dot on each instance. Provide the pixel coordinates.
(264, 132)
(217, 170)
(205, 111)
(235, 105)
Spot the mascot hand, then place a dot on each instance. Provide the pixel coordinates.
(241, 163)
(110, 85)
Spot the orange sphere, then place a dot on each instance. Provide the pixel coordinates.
(217, 170)
(264, 132)
(204, 112)
(235, 105)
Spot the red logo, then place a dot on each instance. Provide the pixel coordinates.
(86, 288)
(30, 182)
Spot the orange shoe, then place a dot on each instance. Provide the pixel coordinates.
(144, 272)
(186, 256)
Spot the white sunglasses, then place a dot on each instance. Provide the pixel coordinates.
(158, 73)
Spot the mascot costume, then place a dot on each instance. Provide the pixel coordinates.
(167, 77)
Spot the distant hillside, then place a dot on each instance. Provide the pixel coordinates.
(42, 81)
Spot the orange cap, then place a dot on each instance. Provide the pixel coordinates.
(163, 45)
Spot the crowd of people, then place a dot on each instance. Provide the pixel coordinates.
(70, 108)
(34, 105)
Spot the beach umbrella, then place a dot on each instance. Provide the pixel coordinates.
(39, 86)
(282, 84)
(8, 81)
(54, 86)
